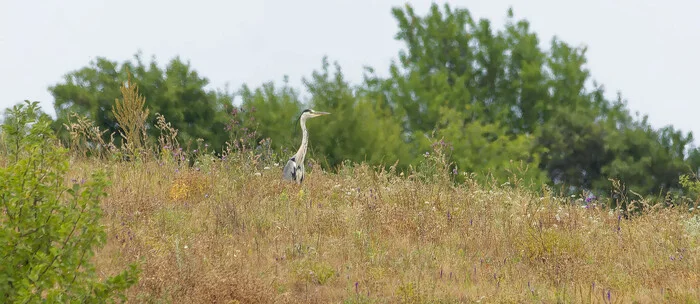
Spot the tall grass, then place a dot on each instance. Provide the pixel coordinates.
(210, 228)
(220, 234)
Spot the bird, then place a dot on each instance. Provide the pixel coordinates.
(294, 169)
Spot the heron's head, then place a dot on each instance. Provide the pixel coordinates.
(309, 113)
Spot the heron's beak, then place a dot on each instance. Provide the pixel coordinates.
(316, 114)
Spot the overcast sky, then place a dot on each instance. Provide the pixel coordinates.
(643, 48)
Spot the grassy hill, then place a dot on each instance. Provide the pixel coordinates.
(221, 229)
(225, 232)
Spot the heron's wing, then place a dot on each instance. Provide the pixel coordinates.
(290, 170)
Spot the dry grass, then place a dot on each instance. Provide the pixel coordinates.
(359, 237)
(226, 231)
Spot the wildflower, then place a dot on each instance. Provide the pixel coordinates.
(590, 198)
(195, 151)
(206, 145)
(454, 171)
(427, 153)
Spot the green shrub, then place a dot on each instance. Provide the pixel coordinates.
(48, 229)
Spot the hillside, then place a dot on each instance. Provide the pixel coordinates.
(224, 233)
(215, 229)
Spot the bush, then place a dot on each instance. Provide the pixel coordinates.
(49, 229)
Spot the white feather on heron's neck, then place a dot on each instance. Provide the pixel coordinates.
(299, 157)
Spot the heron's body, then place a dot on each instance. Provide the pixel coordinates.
(294, 169)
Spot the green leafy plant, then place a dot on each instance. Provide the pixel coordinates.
(48, 229)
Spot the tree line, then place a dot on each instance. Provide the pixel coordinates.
(492, 98)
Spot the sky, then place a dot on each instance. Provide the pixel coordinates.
(644, 49)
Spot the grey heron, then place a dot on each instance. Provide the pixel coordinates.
(294, 169)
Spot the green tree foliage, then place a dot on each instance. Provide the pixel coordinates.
(460, 79)
(177, 92)
(48, 230)
(270, 112)
(497, 96)
(360, 128)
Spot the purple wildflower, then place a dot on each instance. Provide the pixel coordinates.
(590, 198)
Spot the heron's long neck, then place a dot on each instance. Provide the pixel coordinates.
(304, 143)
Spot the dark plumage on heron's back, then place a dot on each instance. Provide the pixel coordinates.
(294, 169)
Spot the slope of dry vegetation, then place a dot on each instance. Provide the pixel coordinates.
(224, 233)
(222, 229)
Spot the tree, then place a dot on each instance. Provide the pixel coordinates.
(270, 112)
(177, 92)
(496, 96)
(361, 127)
(455, 79)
